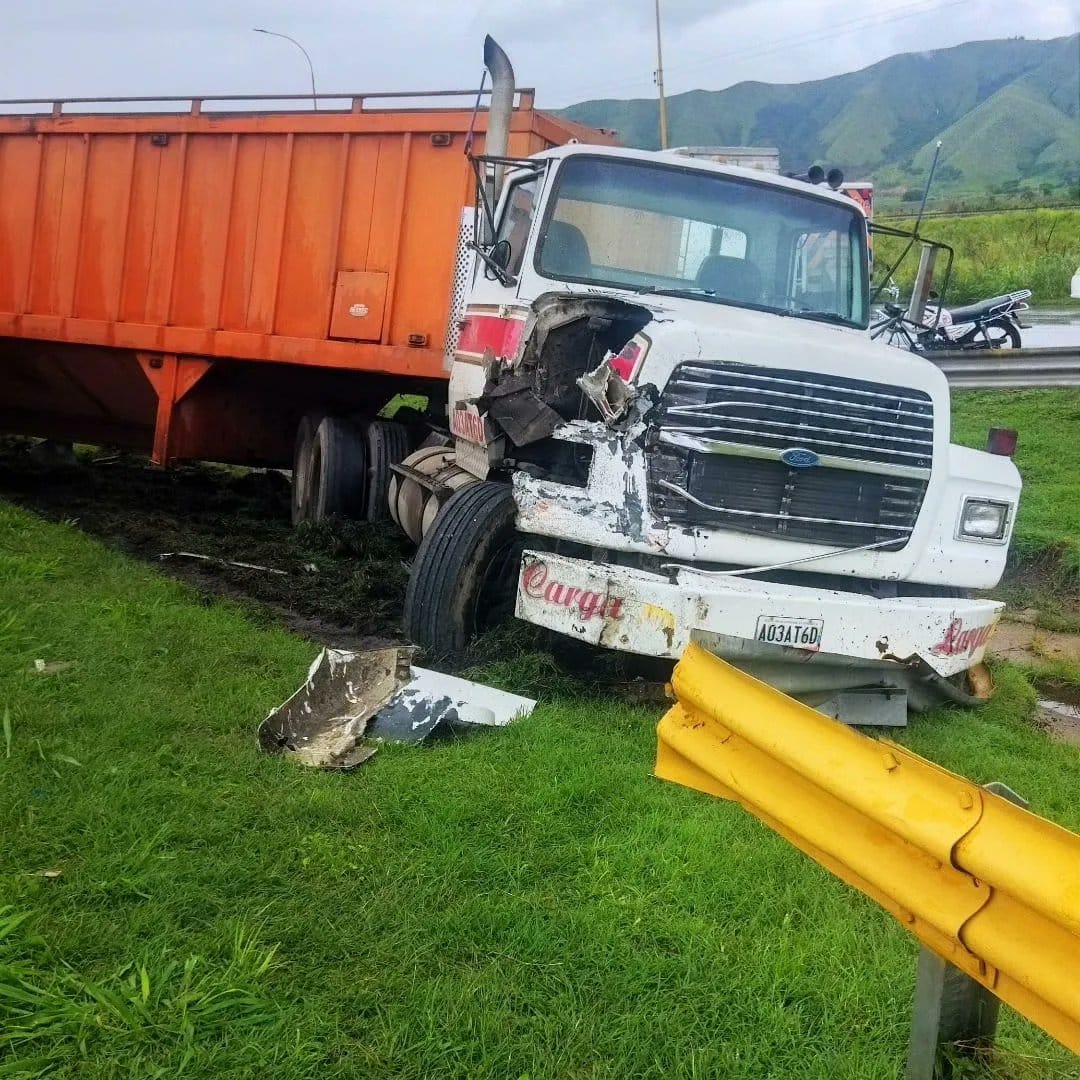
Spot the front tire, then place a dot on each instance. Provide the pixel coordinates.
(464, 576)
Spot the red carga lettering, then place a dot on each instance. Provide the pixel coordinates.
(957, 640)
(537, 583)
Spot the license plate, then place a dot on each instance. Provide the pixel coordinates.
(795, 633)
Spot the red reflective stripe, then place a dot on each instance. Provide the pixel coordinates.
(482, 332)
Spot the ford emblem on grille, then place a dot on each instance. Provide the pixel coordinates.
(798, 458)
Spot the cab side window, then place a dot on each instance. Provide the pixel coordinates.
(516, 221)
(822, 272)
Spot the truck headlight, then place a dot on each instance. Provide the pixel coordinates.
(983, 519)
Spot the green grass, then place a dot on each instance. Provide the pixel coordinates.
(157, 1008)
(1047, 532)
(996, 253)
(529, 903)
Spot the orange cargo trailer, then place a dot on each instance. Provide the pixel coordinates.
(195, 282)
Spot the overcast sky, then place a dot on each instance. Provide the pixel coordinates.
(568, 49)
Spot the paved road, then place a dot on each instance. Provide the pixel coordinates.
(1052, 327)
(1041, 336)
(1062, 316)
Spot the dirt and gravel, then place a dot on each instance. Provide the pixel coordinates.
(340, 583)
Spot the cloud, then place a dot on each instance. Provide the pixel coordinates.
(562, 18)
(568, 49)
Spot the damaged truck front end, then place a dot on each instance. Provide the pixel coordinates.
(665, 371)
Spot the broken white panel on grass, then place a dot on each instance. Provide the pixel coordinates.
(323, 722)
(351, 697)
(433, 703)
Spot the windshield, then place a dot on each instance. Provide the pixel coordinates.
(660, 228)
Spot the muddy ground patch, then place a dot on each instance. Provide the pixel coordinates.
(343, 583)
(339, 582)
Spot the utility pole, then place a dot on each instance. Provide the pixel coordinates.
(660, 82)
(311, 67)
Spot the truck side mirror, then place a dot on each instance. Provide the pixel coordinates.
(497, 259)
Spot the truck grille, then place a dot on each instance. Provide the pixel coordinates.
(717, 458)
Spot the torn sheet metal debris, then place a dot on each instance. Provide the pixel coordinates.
(220, 562)
(323, 722)
(434, 704)
(352, 700)
(608, 391)
(514, 405)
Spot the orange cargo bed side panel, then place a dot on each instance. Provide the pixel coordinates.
(133, 245)
(223, 235)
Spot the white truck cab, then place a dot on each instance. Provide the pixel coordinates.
(665, 403)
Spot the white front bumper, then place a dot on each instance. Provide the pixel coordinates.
(635, 611)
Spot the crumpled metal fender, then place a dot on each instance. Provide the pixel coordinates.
(323, 722)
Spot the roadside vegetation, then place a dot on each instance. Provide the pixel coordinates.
(527, 903)
(997, 253)
(530, 903)
(1044, 571)
(1048, 456)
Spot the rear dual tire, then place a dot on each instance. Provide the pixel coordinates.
(342, 469)
(387, 445)
(301, 468)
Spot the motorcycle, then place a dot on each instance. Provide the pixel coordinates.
(989, 324)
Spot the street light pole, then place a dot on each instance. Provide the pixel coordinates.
(311, 68)
(660, 82)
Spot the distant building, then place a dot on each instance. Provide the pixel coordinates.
(765, 158)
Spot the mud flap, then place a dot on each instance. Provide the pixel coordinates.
(351, 701)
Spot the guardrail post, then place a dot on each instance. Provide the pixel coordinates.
(951, 1008)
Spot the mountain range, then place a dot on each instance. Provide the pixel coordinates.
(1007, 112)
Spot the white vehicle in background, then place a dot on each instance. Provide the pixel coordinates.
(670, 425)
(762, 158)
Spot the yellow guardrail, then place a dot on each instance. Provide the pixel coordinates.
(989, 887)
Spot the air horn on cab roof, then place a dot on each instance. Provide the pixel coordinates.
(816, 174)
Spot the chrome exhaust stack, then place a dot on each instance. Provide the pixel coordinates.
(502, 98)
(500, 112)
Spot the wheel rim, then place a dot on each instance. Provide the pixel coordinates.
(392, 497)
(412, 499)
